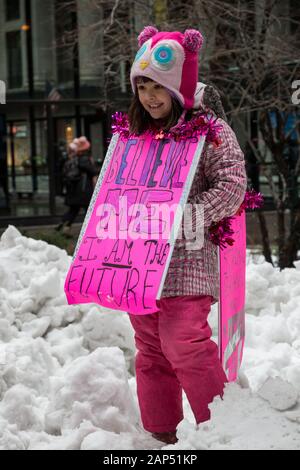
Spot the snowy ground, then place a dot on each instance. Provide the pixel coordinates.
(67, 372)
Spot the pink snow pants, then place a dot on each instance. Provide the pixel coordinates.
(175, 352)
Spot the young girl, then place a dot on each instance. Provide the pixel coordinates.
(79, 173)
(175, 350)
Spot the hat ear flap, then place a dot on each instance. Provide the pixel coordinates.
(193, 40)
(147, 33)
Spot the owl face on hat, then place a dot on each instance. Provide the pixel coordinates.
(171, 59)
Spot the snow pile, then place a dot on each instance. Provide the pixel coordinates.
(67, 372)
(243, 421)
(272, 324)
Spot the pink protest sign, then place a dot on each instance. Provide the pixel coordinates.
(232, 261)
(122, 255)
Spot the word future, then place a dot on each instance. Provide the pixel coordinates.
(118, 261)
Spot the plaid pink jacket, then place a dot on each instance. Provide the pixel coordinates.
(219, 185)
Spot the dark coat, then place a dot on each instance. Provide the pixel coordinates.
(80, 192)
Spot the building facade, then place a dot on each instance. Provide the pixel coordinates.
(37, 65)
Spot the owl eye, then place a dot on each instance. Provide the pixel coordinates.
(140, 52)
(163, 57)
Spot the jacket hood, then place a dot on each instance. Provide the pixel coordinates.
(207, 99)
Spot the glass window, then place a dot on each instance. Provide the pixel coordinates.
(14, 59)
(12, 10)
(64, 41)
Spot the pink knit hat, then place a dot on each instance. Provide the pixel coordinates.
(79, 145)
(171, 59)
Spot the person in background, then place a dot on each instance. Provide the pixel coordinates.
(61, 156)
(79, 174)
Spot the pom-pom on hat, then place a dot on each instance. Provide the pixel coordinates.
(171, 59)
(80, 144)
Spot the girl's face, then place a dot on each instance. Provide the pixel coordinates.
(155, 99)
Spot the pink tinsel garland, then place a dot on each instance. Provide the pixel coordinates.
(220, 232)
(200, 124)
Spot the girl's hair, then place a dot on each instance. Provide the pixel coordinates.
(140, 120)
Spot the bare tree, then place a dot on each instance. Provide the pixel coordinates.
(254, 62)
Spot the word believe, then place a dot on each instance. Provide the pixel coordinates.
(125, 162)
